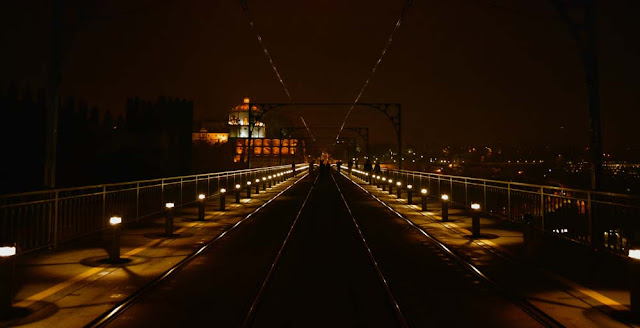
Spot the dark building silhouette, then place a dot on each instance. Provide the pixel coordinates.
(154, 141)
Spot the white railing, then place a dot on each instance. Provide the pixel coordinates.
(39, 219)
(591, 217)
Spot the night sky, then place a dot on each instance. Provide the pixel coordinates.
(465, 71)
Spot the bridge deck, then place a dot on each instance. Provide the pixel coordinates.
(330, 272)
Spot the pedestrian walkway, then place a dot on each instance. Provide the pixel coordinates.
(72, 284)
(576, 299)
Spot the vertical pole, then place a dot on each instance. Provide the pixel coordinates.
(137, 200)
(55, 219)
(53, 102)
(399, 136)
(250, 131)
(542, 208)
(508, 199)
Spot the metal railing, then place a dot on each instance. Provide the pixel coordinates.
(39, 219)
(599, 219)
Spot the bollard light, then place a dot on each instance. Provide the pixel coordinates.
(384, 183)
(399, 184)
(237, 193)
(7, 265)
(257, 186)
(114, 255)
(409, 194)
(201, 197)
(424, 192)
(445, 207)
(248, 189)
(223, 193)
(168, 219)
(264, 183)
(475, 220)
(7, 251)
(115, 220)
(390, 186)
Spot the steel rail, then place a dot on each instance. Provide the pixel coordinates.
(518, 300)
(122, 306)
(248, 320)
(396, 307)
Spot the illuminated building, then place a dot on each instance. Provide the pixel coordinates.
(239, 121)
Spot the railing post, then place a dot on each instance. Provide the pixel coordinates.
(508, 199)
(466, 194)
(104, 203)
(180, 191)
(137, 200)
(451, 189)
(55, 219)
(542, 207)
(162, 194)
(593, 230)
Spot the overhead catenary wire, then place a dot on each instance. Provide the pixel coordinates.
(245, 8)
(403, 14)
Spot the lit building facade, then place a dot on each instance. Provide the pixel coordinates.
(239, 121)
(212, 138)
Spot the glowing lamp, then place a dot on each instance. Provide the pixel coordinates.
(390, 181)
(257, 180)
(7, 251)
(634, 254)
(169, 205)
(237, 186)
(475, 206)
(423, 191)
(409, 186)
(201, 196)
(115, 220)
(444, 197)
(270, 177)
(264, 179)
(222, 191)
(384, 179)
(248, 183)
(398, 183)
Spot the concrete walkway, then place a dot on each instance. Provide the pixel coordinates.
(580, 299)
(71, 285)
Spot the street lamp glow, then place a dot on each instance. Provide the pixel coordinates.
(475, 206)
(115, 220)
(398, 183)
(269, 177)
(248, 183)
(264, 179)
(169, 205)
(222, 191)
(257, 180)
(634, 254)
(390, 181)
(7, 251)
(444, 197)
(384, 179)
(237, 186)
(409, 186)
(201, 196)
(423, 191)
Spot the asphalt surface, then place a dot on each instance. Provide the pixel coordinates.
(324, 277)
